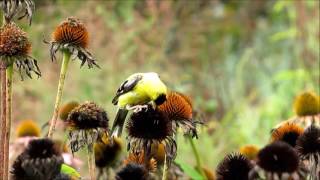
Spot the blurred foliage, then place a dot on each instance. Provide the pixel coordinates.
(242, 62)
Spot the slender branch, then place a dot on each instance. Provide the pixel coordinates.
(91, 163)
(165, 168)
(3, 97)
(9, 72)
(3, 81)
(64, 68)
(197, 156)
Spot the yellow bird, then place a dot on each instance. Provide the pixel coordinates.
(135, 93)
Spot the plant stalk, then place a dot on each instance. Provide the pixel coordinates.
(165, 168)
(91, 162)
(63, 72)
(197, 156)
(9, 74)
(3, 116)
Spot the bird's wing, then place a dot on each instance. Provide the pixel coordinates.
(126, 86)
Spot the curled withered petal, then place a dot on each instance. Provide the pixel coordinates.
(12, 8)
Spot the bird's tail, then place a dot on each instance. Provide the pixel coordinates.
(119, 122)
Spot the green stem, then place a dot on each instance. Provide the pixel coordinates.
(197, 156)
(165, 168)
(64, 68)
(91, 162)
(9, 73)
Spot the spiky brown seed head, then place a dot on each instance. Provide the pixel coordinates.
(106, 154)
(40, 160)
(234, 166)
(140, 158)
(87, 116)
(177, 107)
(132, 171)
(307, 103)
(288, 132)
(308, 143)
(250, 151)
(151, 124)
(71, 31)
(66, 109)
(278, 157)
(28, 128)
(13, 41)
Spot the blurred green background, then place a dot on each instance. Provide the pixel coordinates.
(241, 61)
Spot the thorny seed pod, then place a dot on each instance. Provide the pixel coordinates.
(308, 147)
(40, 160)
(178, 108)
(249, 151)
(72, 36)
(15, 49)
(151, 128)
(133, 171)
(288, 133)
(13, 7)
(28, 128)
(87, 123)
(140, 158)
(307, 103)
(66, 109)
(277, 159)
(234, 166)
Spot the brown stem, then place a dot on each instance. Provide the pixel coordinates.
(91, 162)
(9, 73)
(3, 114)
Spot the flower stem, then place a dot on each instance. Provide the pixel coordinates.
(165, 168)
(9, 74)
(196, 155)
(64, 68)
(91, 162)
(3, 106)
(3, 116)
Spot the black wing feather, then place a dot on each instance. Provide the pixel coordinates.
(125, 87)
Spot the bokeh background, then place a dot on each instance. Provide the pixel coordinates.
(241, 61)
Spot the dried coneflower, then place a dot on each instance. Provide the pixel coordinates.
(87, 123)
(278, 159)
(250, 151)
(71, 37)
(150, 128)
(107, 154)
(288, 133)
(15, 49)
(308, 147)
(178, 108)
(13, 7)
(234, 166)
(28, 128)
(132, 171)
(39, 161)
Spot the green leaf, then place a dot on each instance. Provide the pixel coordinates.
(69, 171)
(190, 171)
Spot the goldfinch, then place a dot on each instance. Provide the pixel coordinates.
(135, 93)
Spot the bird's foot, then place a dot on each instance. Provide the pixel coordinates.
(138, 108)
